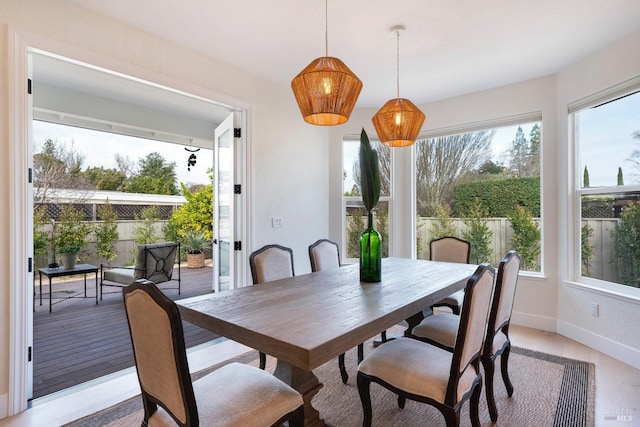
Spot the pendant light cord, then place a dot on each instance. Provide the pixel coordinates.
(398, 63)
(326, 28)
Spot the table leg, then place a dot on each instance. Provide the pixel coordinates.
(96, 288)
(85, 284)
(40, 274)
(50, 294)
(307, 384)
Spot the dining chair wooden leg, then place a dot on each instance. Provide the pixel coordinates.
(504, 362)
(401, 401)
(489, 370)
(343, 370)
(360, 353)
(383, 336)
(263, 360)
(474, 404)
(364, 384)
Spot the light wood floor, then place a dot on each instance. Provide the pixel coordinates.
(617, 384)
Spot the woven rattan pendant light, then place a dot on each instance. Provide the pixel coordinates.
(399, 121)
(326, 90)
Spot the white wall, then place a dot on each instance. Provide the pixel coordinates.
(288, 158)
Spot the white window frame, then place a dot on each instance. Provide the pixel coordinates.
(574, 231)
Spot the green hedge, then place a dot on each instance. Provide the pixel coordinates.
(499, 196)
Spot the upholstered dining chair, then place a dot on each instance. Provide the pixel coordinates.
(441, 329)
(270, 262)
(154, 262)
(425, 373)
(234, 395)
(450, 249)
(325, 254)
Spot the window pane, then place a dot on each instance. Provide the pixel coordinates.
(609, 143)
(484, 187)
(609, 237)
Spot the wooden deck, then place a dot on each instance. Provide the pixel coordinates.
(80, 341)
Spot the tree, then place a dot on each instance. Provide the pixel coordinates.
(635, 155)
(586, 250)
(620, 177)
(525, 155)
(585, 177)
(626, 235)
(106, 179)
(155, 176)
(441, 162)
(58, 167)
(526, 237)
(355, 226)
(106, 233)
(195, 215)
(146, 232)
(443, 226)
(478, 233)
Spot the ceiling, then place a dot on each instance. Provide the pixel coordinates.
(449, 48)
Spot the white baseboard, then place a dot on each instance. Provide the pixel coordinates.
(4, 408)
(534, 321)
(617, 350)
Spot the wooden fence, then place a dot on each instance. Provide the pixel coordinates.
(601, 242)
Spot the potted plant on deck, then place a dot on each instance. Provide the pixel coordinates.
(195, 243)
(70, 234)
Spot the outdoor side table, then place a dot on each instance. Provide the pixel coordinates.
(83, 269)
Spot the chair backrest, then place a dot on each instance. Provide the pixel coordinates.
(324, 254)
(271, 262)
(159, 352)
(504, 294)
(155, 261)
(450, 249)
(472, 329)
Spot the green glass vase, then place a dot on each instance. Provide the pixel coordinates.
(370, 253)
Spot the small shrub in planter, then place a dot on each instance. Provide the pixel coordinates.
(195, 243)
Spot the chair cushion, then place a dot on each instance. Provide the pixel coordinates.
(126, 276)
(416, 367)
(240, 396)
(441, 328)
(498, 342)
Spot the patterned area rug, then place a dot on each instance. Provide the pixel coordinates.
(549, 391)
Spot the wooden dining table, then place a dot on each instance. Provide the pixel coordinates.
(310, 319)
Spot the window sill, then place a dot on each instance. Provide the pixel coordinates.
(607, 289)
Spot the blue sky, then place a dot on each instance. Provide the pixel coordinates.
(606, 141)
(100, 148)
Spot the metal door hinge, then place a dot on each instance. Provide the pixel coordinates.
(29, 354)
(237, 189)
(237, 246)
(237, 132)
(30, 265)
(29, 86)
(30, 176)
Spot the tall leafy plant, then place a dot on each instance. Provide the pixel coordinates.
(369, 174)
(526, 237)
(107, 233)
(627, 245)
